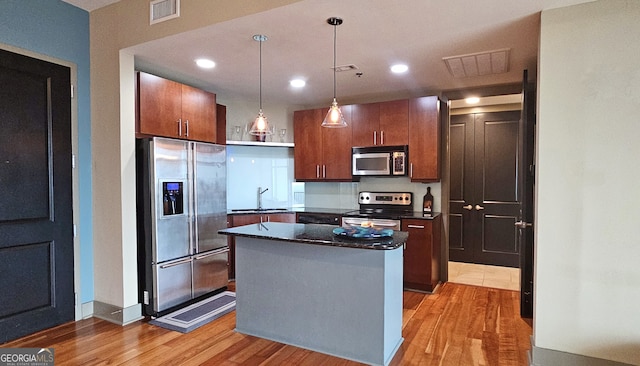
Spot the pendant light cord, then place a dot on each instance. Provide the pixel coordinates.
(335, 28)
(260, 74)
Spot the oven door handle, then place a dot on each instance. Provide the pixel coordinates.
(351, 222)
(376, 222)
(388, 224)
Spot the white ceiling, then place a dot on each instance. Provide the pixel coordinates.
(374, 35)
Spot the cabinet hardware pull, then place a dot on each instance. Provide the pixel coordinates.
(468, 207)
(410, 170)
(381, 137)
(317, 171)
(478, 208)
(416, 226)
(186, 127)
(375, 137)
(179, 121)
(324, 171)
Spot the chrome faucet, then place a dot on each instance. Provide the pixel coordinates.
(260, 192)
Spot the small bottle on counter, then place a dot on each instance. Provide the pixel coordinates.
(427, 203)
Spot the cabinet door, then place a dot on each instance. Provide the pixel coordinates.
(221, 124)
(282, 217)
(420, 264)
(394, 122)
(159, 103)
(337, 142)
(198, 114)
(241, 220)
(365, 123)
(308, 144)
(424, 139)
(237, 220)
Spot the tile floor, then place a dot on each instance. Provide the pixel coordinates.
(484, 275)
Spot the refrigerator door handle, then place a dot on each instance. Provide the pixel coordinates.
(176, 263)
(215, 252)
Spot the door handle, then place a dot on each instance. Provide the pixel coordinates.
(211, 254)
(468, 207)
(523, 225)
(478, 208)
(179, 122)
(176, 263)
(186, 127)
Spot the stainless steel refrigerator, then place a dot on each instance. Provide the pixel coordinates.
(181, 205)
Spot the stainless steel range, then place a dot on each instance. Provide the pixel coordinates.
(381, 208)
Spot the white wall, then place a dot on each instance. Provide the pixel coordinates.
(587, 267)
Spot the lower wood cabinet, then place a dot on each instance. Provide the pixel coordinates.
(240, 220)
(422, 254)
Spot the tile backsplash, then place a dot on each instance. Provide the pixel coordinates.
(250, 167)
(345, 195)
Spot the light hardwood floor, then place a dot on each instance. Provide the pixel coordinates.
(460, 325)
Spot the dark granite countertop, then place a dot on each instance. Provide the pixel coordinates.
(320, 210)
(313, 234)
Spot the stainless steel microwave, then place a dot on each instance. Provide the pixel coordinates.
(379, 161)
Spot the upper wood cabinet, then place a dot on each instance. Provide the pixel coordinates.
(320, 153)
(365, 123)
(394, 122)
(384, 123)
(324, 154)
(170, 109)
(424, 139)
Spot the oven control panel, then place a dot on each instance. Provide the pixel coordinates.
(386, 198)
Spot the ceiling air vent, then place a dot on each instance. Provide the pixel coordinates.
(481, 63)
(161, 10)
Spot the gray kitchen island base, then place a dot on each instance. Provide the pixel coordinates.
(341, 301)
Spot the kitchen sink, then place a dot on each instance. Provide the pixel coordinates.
(257, 209)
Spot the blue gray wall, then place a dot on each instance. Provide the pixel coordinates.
(60, 30)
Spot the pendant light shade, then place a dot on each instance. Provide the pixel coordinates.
(260, 126)
(334, 117)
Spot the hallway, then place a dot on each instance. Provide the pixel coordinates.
(506, 278)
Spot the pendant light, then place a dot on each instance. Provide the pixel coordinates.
(260, 126)
(334, 117)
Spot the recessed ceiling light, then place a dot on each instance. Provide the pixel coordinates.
(399, 68)
(472, 100)
(205, 63)
(297, 83)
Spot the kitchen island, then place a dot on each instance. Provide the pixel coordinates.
(302, 285)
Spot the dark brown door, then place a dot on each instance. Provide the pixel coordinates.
(36, 232)
(484, 200)
(527, 181)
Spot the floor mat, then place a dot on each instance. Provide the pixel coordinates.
(196, 315)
